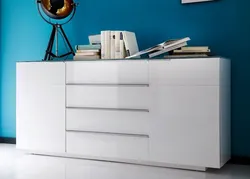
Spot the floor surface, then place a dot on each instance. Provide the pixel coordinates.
(15, 164)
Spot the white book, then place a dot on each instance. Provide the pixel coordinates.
(192, 51)
(195, 48)
(87, 53)
(130, 42)
(165, 50)
(90, 50)
(187, 56)
(103, 45)
(122, 47)
(83, 57)
(117, 44)
(107, 44)
(112, 48)
(164, 45)
(95, 39)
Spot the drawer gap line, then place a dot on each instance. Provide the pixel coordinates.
(107, 84)
(110, 133)
(109, 109)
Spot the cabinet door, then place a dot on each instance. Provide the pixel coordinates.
(41, 106)
(184, 123)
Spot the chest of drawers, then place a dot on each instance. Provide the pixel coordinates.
(156, 112)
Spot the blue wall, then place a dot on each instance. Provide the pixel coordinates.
(224, 25)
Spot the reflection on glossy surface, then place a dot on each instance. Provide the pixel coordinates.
(17, 165)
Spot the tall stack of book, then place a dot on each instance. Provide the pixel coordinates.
(87, 52)
(191, 52)
(118, 44)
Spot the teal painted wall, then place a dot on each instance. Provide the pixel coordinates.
(0, 52)
(224, 25)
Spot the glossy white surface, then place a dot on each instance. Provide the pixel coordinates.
(190, 111)
(111, 121)
(187, 128)
(187, 72)
(225, 108)
(17, 165)
(107, 72)
(40, 106)
(115, 97)
(186, 102)
(108, 145)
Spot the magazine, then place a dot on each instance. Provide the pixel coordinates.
(162, 46)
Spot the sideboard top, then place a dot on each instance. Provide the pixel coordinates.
(165, 59)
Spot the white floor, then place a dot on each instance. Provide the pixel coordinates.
(15, 164)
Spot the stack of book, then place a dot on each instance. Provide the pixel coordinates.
(162, 48)
(123, 44)
(118, 44)
(88, 52)
(191, 52)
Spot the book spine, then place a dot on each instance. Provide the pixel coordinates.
(107, 45)
(190, 51)
(122, 47)
(117, 45)
(126, 44)
(112, 48)
(87, 50)
(103, 45)
(87, 53)
(86, 57)
(88, 47)
(186, 56)
(205, 48)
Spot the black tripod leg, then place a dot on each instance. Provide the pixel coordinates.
(50, 45)
(64, 35)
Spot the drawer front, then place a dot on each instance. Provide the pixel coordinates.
(108, 97)
(185, 72)
(108, 145)
(112, 121)
(107, 72)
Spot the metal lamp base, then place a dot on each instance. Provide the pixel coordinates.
(49, 55)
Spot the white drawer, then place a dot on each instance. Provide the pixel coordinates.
(108, 145)
(112, 121)
(187, 72)
(107, 72)
(117, 97)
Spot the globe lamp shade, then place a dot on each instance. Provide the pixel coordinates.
(57, 9)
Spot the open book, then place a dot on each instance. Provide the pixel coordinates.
(162, 47)
(165, 50)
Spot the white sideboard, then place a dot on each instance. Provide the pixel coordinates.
(173, 113)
